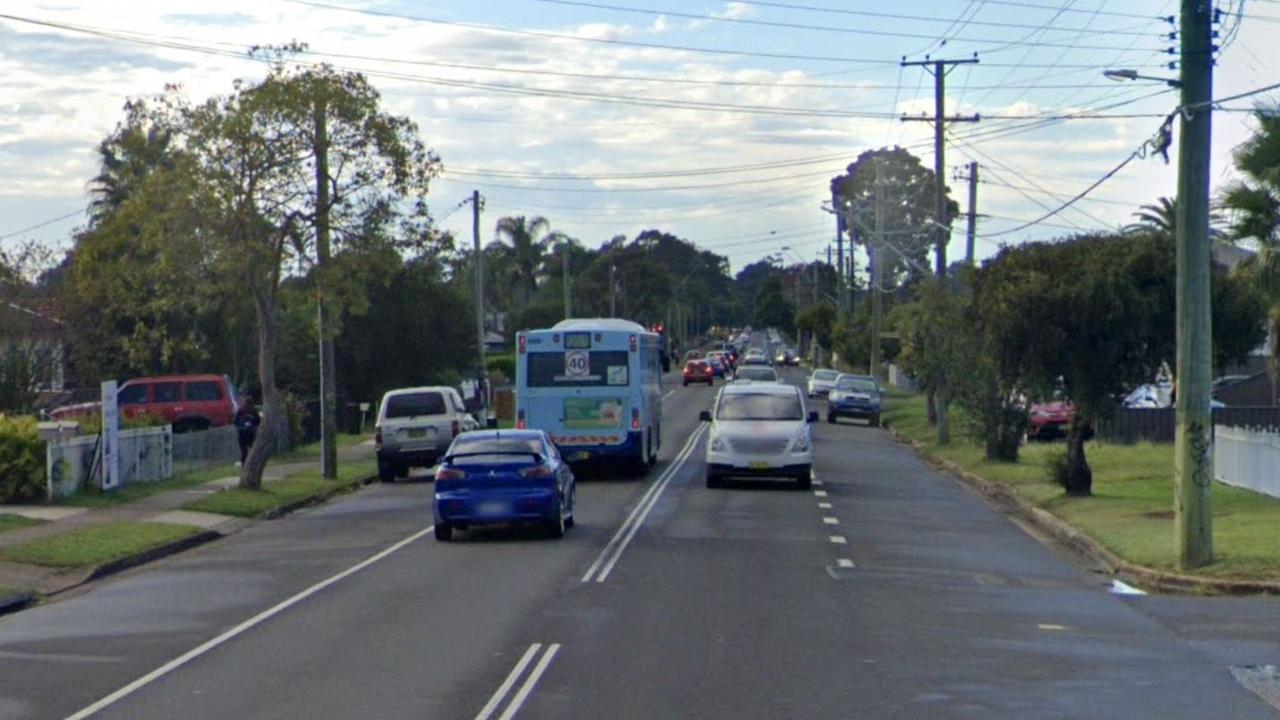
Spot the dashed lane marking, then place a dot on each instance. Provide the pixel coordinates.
(819, 493)
(844, 563)
(838, 540)
(830, 520)
(824, 505)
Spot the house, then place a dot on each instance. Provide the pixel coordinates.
(32, 352)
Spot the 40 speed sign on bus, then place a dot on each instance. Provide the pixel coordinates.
(577, 364)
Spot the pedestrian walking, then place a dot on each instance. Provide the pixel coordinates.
(247, 421)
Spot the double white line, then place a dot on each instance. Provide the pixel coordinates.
(600, 569)
(525, 688)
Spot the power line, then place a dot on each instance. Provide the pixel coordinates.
(39, 225)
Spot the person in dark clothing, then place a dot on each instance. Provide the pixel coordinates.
(247, 421)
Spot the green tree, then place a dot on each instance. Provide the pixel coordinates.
(139, 146)
(529, 240)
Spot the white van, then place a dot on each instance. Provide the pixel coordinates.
(415, 427)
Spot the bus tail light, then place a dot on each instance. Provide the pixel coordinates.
(635, 419)
(633, 343)
(520, 420)
(520, 343)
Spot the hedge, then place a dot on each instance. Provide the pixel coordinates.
(22, 455)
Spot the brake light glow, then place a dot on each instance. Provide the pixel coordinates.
(520, 343)
(633, 343)
(635, 419)
(537, 471)
(520, 421)
(445, 473)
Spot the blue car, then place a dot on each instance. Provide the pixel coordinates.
(855, 396)
(493, 477)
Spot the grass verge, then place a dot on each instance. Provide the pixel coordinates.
(1131, 509)
(295, 488)
(13, 522)
(97, 544)
(312, 450)
(94, 498)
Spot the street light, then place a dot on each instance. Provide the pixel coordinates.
(1127, 74)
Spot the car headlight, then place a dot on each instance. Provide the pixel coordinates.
(801, 444)
(836, 396)
(718, 444)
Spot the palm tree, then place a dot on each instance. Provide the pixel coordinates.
(528, 238)
(1254, 206)
(1161, 218)
(128, 157)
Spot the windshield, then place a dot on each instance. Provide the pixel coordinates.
(825, 374)
(753, 406)
(757, 373)
(415, 404)
(857, 385)
(559, 369)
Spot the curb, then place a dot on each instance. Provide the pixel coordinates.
(151, 555)
(14, 603)
(280, 511)
(1073, 539)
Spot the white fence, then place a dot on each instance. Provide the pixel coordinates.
(1248, 459)
(146, 455)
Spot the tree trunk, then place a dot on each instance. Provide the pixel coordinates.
(1079, 480)
(943, 411)
(931, 409)
(264, 442)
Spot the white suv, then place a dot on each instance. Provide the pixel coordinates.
(415, 426)
(759, 430)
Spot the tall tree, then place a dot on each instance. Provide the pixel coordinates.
(140, 145)
(529, 240)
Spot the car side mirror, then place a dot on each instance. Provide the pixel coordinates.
(704, 416)
(813, 416)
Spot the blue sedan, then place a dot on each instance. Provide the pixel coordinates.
(492, 477)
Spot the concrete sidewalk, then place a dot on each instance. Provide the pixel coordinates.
(162, 507)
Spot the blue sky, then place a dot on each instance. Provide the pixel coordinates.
(803, 91)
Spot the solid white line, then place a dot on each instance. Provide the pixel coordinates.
(830, 520)
(622, 529)
(505, 687)
(653, 500)
(261, 617)
(838, 539)
(529, 682)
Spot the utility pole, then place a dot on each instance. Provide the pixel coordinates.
(942, 223)
(842, 292)
(568, 290)
(328, 373)
(1193, 439)
(971, 233)
(613, 290)
(482, 374)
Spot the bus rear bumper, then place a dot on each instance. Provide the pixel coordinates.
(582, 453)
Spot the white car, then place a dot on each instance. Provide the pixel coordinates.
(759, 430)
(415, 427)
(755, 373)
(821, 382)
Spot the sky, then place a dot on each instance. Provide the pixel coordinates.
(720, 122)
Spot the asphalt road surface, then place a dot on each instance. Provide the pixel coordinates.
(886, 591)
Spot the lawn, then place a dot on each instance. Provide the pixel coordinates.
(253, 503)
(97, 544)
(312, 450)
(1131, 509)
(13, 522)
(94, 498)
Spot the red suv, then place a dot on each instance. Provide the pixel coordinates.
(188, 402)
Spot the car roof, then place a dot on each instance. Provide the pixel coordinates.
(175, 378)
(503, 435)
(851, 376)
(760, 388)
(425, 388)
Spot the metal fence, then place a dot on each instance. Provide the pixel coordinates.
(1248, 458)
(1132, 425)
(195, 451)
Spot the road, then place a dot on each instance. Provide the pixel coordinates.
(887, 591)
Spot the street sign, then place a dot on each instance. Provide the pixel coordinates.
(577, 363)
(110, 437)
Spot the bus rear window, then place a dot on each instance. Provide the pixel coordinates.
(604, 368)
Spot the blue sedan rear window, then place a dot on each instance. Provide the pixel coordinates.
(495, 450)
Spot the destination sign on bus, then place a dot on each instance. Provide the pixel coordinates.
(577, 341)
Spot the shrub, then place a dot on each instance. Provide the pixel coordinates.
(22, 456)
(504, 365)
(1055, 463)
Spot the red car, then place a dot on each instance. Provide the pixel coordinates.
(698, 371)
(1049, 420)
(188, 402)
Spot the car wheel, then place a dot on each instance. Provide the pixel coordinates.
(714, 481)
(444, 532)
(875, 421)
(831, 418)
(804, 480)
(386, 471)
(402, 471)
(555, 528)
(686, 383)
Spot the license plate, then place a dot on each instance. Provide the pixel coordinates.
(419, 432)
(759, 465)
(492, 508)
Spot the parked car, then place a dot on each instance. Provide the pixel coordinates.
(697, 371)
(821, 381)
(759, 430)
(415, 426)
(1050, 420)
(756, 373)
(855, 396)
(494, 477)
(187, 402)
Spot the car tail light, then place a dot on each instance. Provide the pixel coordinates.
(520, 344)
(537, 471)
(635, 419)
(520, 420)
(377, 437)
(445, 473)
(634, 342)
(456, 428)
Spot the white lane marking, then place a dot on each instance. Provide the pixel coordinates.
(529, 682)
(505, 687)
(830, 520)
(844, 563)
(1120, 587)
(644, 499)
(653, 500)
(819, 493)
(817, 482)
(668, 394)
(261, 617)
(824, 505)
(838, 539)
(1052, 626)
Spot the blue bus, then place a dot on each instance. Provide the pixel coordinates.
(595, 386)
